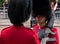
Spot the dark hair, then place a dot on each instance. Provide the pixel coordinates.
(18, 11)
(53, 1)
(41, 7)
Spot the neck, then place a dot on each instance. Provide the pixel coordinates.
(41, 24)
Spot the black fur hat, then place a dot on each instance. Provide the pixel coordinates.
(18, 11)
(41, 7)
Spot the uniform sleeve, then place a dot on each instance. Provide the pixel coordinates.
(56, 36)
(1, 41)
(35, 39)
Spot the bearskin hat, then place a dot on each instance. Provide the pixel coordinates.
(18, 11)
(41, 7)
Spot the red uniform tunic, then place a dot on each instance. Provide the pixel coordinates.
(36, 28)
(18, 35)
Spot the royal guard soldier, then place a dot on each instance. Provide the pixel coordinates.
(42, 14)
(18, 12)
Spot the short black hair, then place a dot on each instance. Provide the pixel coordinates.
(18, 11)
(41, 7)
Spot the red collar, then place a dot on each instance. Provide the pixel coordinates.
(43, 27)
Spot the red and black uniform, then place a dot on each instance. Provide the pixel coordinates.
(18, 12)
(18, 35)
(36, 28)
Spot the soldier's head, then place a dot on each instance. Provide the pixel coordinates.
(18, 11)
(41, 10)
